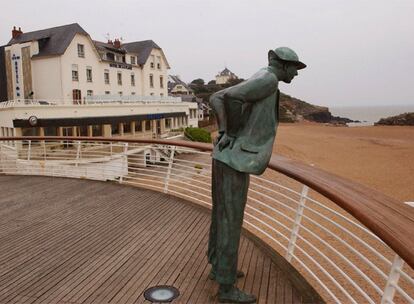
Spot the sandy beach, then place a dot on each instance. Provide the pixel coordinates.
(381, 157)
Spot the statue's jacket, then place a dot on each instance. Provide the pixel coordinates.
(250, 110)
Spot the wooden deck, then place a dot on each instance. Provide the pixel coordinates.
(77, 241)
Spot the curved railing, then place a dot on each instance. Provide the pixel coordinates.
(352, 244)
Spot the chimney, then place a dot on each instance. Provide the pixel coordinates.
(117, 43)
(16, 33)
(110, 42)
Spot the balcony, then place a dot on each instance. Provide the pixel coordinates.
(125, 215)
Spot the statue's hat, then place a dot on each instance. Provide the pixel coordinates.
(289, 55)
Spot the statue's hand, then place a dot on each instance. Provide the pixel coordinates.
(218, 138)
(226, 140)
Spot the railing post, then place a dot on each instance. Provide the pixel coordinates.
(1, 157)
(78, 151)
(125, 158)
(296, 224)
(44, 149)
(170, 164)
(29, 150)
(392, 281)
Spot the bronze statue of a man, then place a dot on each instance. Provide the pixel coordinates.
(247, 116)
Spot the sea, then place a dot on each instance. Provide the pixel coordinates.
(369, 115)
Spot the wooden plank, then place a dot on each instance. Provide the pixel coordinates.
(264, 286)
(111, 242)
(133, 287)
(67, 255)
(80, 274)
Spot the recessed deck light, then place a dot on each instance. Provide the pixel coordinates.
(161, 294)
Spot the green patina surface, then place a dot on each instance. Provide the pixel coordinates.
(247, 116)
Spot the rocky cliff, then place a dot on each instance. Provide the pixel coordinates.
(406, 119)
(293, 110)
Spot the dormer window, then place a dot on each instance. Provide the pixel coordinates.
(159, 62)
(110, 56)
(132, 59)
(81, 50)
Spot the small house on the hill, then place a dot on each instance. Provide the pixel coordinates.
(224, 76)
(178, 87)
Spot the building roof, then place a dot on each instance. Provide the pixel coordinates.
(55, 41)
(226, 72)
(173, 80)
(104, 46)
(142, 48)
(52, 41)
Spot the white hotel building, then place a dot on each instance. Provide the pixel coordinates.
(71, 85)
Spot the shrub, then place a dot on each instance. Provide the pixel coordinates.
(198, 134)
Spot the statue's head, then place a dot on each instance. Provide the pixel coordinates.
(286, 61)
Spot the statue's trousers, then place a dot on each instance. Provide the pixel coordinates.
(229, 194)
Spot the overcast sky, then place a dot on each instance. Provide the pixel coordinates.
(358, 52)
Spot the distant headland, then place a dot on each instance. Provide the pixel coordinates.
(405, 119)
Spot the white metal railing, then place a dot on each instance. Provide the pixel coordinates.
(342, 259)
(92, 100)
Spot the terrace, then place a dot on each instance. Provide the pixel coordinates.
(100, 220)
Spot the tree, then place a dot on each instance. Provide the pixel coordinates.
(212, 82)
(198, 81)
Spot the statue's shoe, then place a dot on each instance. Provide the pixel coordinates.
(235, 295)
(212, 274)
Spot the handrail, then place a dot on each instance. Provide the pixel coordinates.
(391, 221)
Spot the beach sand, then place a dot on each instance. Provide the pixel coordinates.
(380, 157)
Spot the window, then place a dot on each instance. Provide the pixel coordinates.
(81, 50)
(115, 128)
(82, 131)
(133, 79)
(89, 93)
(50, 131)
(162, 94)
(147, 125)
(96, 130)
(118, 57)
(127, 127)
(107, 92)
(120, 93)
(132, 59)
(132, 93)
(138, 126)
(161, 82)
(151, 79)
(159, 62)
(88, 74)
(75, 75)
(168, 123)
(110, 56)
(152, 61)
(106, 76)
(120, 78)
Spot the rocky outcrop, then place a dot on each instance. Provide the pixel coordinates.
(293, 110)
(406, 119)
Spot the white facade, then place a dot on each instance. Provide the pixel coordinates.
(86, 85)
(52, 76)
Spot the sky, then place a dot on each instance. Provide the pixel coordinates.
(358, 52)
